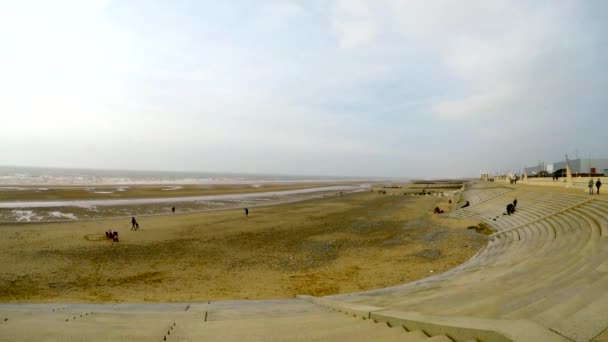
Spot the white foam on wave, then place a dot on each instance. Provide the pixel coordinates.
(11, 188)
(24, 215)
(60, 214)
(171, 188)
(121, 189)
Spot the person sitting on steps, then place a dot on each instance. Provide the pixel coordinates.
(510, 209)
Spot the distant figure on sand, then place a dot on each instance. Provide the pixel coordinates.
(134, 224)
(598, 184)
(510, 209)
(514, 203)
(173, 210)
(590, 186)
(246, 211)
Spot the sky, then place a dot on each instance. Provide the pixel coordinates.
(384, 88)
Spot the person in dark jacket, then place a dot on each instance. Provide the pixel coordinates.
(510, 209)
(598, 184)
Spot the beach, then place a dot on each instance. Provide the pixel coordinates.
(319, 246)
(27, 204)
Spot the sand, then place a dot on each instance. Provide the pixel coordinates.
(323, 246)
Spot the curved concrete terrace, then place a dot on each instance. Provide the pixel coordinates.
(546, 264)
(542, 277)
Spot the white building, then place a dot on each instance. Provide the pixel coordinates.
(577, 166)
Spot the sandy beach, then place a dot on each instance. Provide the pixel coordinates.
(322, 246)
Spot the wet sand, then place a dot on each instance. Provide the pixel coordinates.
(323, 246)
(10, 193)
(70, 210)
(140, 201)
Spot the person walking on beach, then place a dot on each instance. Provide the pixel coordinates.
(590, 186)
(134, 224)
(514, 203)
(173, 210)
(246, 211)
(598, 184)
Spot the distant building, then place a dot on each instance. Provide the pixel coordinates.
(484, 176)
(580, 166)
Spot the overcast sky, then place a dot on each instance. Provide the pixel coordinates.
(363, 88)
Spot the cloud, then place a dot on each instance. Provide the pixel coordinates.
(478, 105)
(388, 86)
(509, 58)
(353, 22)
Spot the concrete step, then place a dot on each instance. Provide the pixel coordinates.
(326, 327)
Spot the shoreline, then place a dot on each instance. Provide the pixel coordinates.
(135, 201)
(199, 211)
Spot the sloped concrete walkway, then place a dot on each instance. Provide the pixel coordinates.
(270, 320)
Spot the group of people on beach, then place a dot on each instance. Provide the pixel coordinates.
(112, 235)
(598, 185)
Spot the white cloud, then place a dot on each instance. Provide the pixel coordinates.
(353, 22)
(376, 84)
(478, 105)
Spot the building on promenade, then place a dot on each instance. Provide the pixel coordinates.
(579, 166)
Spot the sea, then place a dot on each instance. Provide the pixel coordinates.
(25, 176)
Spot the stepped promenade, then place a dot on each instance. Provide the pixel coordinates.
(542, 277)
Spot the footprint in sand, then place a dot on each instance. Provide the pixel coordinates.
(95, 237)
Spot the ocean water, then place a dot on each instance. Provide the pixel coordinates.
(23, 176)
